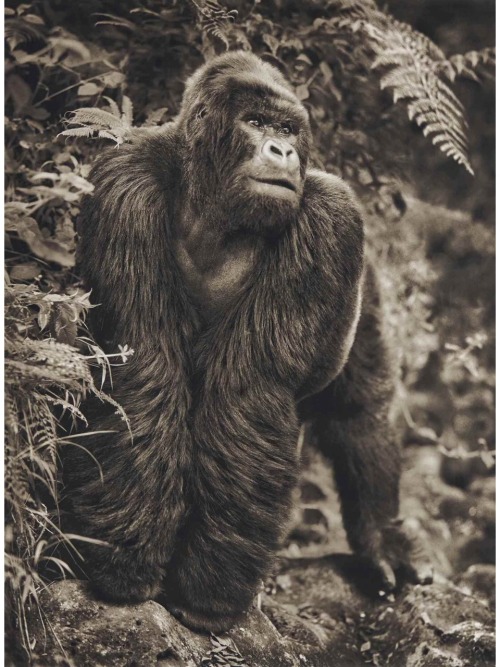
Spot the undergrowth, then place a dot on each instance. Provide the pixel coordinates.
(45, 383)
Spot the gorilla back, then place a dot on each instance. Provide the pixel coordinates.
(236, 274)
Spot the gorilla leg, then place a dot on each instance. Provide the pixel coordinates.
(350, 424)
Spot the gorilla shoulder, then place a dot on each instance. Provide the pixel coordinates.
(322, 183)
(328, 196)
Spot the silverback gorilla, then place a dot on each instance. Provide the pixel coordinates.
(237, 275)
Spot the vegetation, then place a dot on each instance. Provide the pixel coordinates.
(370, 82)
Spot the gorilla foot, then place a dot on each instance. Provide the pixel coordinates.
(395, 554)
(203, 621)
(404, 554)
(121, 588)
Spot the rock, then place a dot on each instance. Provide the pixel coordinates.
(328, 613)
(95, 634)
(433, 626)
(430, 656)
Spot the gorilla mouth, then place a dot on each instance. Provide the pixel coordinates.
(280, 182)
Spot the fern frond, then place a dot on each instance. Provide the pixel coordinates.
(415, 70)
(470, 65)
(115, 109)
(392, 57)
(214, 19)
(115, 124)
(411, 65)
(78, 132)
(127, 116)
(94, 117)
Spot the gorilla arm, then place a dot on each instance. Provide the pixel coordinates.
(125, 256)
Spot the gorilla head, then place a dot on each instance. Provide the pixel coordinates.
(248, 141)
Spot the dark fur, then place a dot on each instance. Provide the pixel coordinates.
(194, 505)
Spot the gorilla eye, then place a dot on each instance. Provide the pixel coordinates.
(286, 128)
(201, 112)
(256, 121)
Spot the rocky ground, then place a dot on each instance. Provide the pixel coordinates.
(317, 609)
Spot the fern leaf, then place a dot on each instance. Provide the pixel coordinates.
(399, 77)
(95, 117)
(419, 106)
(411, 64)
(77, 132)
(115, 110)
(474, 58)
(437, 130)
(447, 93)
(407, 92)
(127, 111)
(429, 116)
(214, 19)
(114, 125)
(417, 40)
(392, 57)
(104, 134)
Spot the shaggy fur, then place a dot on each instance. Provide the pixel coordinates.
(194, 503)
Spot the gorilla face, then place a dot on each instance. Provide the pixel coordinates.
(248, 144)
(272, 169)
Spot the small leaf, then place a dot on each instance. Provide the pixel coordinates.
(33, 18)
(113, 79)
(43, 316)
(303, 58)
(26, 271)
(326, 70)
(47, 249)
(88, 89)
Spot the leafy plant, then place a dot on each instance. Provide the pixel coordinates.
(214, 19)
(112, 124)
(44, 380)
(415, 70)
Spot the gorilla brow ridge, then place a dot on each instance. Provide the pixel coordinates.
(276, 99)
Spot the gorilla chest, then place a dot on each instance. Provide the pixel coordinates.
(215, 277)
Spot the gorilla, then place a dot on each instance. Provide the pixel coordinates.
(236, 272)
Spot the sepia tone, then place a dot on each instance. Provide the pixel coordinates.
(250, 333)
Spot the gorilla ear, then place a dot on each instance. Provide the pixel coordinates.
(201, 112)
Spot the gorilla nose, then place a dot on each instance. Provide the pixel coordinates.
(280, 154)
